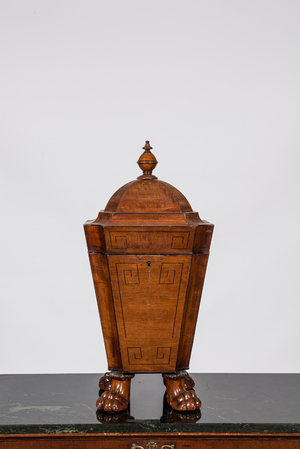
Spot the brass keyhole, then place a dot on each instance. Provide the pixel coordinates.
(149, 264)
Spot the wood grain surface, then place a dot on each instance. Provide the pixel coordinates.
(152, 440)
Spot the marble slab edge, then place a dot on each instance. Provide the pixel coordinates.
(150, 426)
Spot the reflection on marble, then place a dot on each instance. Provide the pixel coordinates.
(169, 415)
(114, 418)
(230, 403)
(174, 416)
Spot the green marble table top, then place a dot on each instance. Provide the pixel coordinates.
(65, 403)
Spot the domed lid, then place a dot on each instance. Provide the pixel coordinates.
(147, 193)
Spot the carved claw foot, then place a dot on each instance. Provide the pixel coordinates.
(116, 399)
(188, 382)
(105, 382)
(179, 392)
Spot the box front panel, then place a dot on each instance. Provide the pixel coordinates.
(149, 295)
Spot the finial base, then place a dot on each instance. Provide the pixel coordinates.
(145, 176)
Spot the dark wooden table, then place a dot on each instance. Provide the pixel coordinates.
(238, 411)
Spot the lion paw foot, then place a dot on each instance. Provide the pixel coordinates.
(184, 401)
(180, 394)
(117, 398)
(111, 402)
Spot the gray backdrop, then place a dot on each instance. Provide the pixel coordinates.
(215, 86)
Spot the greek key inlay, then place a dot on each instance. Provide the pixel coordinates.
(135, 356)
(150, 241)
(168, 272)
(128, 273)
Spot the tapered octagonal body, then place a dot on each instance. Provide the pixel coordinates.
(148, 252)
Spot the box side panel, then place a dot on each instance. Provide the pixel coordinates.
(191, 308)
(94, 238)
(203, 236)
(100, 272)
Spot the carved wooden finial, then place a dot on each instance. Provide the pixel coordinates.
(147, 162)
